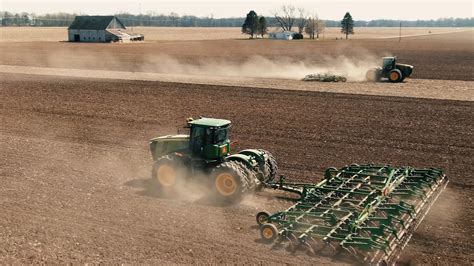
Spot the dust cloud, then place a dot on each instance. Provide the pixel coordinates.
(263, 67)
(284, 67)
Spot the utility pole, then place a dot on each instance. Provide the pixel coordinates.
(400, 33)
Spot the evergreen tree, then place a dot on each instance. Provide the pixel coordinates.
(347, 25)
(262, 26)
(251, 24)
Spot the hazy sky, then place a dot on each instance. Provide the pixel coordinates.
(326, 9)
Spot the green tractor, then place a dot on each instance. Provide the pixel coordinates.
(390, 70)
(205, 152)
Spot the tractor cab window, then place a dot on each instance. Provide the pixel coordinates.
(220, 135)
(208, 136)
(388, 63)
(198, 138)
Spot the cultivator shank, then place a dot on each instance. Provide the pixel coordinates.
(368, 211)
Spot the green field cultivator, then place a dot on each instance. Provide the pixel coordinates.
(367, 212)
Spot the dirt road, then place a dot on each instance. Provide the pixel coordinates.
(74, 164)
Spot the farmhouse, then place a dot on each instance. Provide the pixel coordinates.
(100, 29)
(282, 35)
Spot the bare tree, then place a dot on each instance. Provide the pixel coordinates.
(286, 17)
(320, 27)
(314, 26)
(301, 21)
(310, 27)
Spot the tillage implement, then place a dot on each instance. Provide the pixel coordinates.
(368, 212)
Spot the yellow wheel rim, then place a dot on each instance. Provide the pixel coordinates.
(262, 219)
(166, 175)
(394, 76)
(225, 184)
(267, 233)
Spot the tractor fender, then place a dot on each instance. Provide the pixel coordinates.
(247, 160)
(406, 70)
(258, 155)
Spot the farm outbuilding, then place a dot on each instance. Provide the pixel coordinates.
(100, 29)
(282, 35)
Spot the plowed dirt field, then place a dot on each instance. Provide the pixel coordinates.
(75, 163)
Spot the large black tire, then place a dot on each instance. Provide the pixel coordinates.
(230, 182)
(395, 75)
(249, 175)
(168, 173)
(270, 169)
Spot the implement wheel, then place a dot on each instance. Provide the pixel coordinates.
(269, 233)
(262, 217)
(230, 182)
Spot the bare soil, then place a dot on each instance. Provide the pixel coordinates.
(75, 161)
(419, 88)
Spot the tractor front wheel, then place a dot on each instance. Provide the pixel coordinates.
(168, 173)
(395, 76)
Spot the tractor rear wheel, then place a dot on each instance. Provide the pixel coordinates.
(249, 175)
(230, 182)
(395, 76)
(372, 75)
(270, 168)
(168, 173)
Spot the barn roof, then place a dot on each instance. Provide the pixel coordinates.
(95, 23)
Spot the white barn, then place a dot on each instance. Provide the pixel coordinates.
(100, 29)
(282, 35)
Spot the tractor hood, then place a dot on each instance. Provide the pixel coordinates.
(171, 137)
(406, 70)
(405, 65)
(168, 144)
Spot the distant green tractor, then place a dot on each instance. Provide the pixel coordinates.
(206, 152)
(390, 70)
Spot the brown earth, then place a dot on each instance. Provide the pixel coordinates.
(75, 162)
(417, 88)
(444, 56)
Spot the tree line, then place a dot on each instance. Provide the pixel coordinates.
(175, 20)
(288, 18)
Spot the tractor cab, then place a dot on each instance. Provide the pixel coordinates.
(388, 63)
(209, 138)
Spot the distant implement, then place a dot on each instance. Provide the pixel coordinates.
(390, 70)
(325, 77)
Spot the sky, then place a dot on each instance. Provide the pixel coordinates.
(326, 9)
